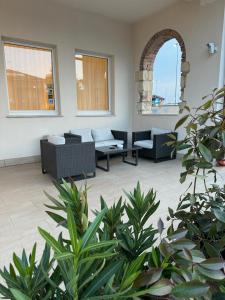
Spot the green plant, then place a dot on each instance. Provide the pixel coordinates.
(76, 199)
(202, 213)
(95, 264)
(135, 235)
(26, 279)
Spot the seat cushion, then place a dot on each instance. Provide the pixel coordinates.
(109, 143)
(56, 140)
(155, 131)
(147, 144)
(102, 134)
(113, 142)
(99, 144)
(85, 134)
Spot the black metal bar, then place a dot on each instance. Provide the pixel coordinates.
(107, 168)
(133, 163)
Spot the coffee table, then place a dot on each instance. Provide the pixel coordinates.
(112, 150)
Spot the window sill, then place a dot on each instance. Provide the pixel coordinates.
(33, 116)
(165, 110)
(95, 114)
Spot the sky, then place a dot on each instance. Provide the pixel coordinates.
(31, 61)
(167, 72)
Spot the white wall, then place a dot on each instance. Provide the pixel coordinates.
(54, 24)
(46, 22)
(198, 25)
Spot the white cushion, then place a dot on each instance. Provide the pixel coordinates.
(147, 144)
(109, 143)
(99, 144)
(85, 134)
(56, 140)
(102, 134)
(113, 142)
(155, 131)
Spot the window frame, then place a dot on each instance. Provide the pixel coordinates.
(34, 113)
(94, 113)
(176, 102)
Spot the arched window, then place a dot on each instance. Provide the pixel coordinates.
(162, 75)
(167, 74)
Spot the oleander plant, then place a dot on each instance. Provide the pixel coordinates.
(118, 253)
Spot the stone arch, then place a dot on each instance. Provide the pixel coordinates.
(155, 43)
(144, 76)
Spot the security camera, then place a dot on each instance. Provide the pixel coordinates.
(212, 48)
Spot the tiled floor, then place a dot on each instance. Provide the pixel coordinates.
(22, 199)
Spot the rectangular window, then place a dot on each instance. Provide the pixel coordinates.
(93, 77)
(30, 79)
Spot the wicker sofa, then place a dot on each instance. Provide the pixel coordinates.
(153, 143)
(101, 137)
(67, 160)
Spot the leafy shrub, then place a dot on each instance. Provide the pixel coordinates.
(203, 213)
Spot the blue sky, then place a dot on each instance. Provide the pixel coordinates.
(166, 69)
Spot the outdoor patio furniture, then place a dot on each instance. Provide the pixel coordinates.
(109, 151)
(153, 143)
(102, 137)
(67, 160)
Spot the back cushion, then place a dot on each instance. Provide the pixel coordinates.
(102, 134)
(56, 140)
(155, 131)
(85, 134)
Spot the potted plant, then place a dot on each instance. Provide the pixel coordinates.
(221, 162)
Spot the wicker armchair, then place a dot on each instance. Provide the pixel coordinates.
(68, 160)
(158, 151)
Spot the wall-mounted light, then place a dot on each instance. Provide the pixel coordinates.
(212, 48)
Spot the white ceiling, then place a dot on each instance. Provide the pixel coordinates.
(125, 10)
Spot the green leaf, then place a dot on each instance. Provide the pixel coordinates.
(172, 136)
(165, 249)
(183, 244)
(213, 274)
(213, 263)
(64, 256)
(206, 153)
(133, 270)
(51, 241)
(223, 138)
(197, 256)
(190, 289)
(207, 104)
(32, 259)
(160, 226)
(161, 288)
(211, 250)
(187, 254)
(181, 121)
(19, 265)
(102, 279)
(103, 255)
(57, 218)
(193, 228)
(135, 265)
(4, 292)
(92, 228)
(72, 230)
(179, 234)
(19, 295)
(97, 246)
(219, 214)
(149, 277)
(129, 280)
